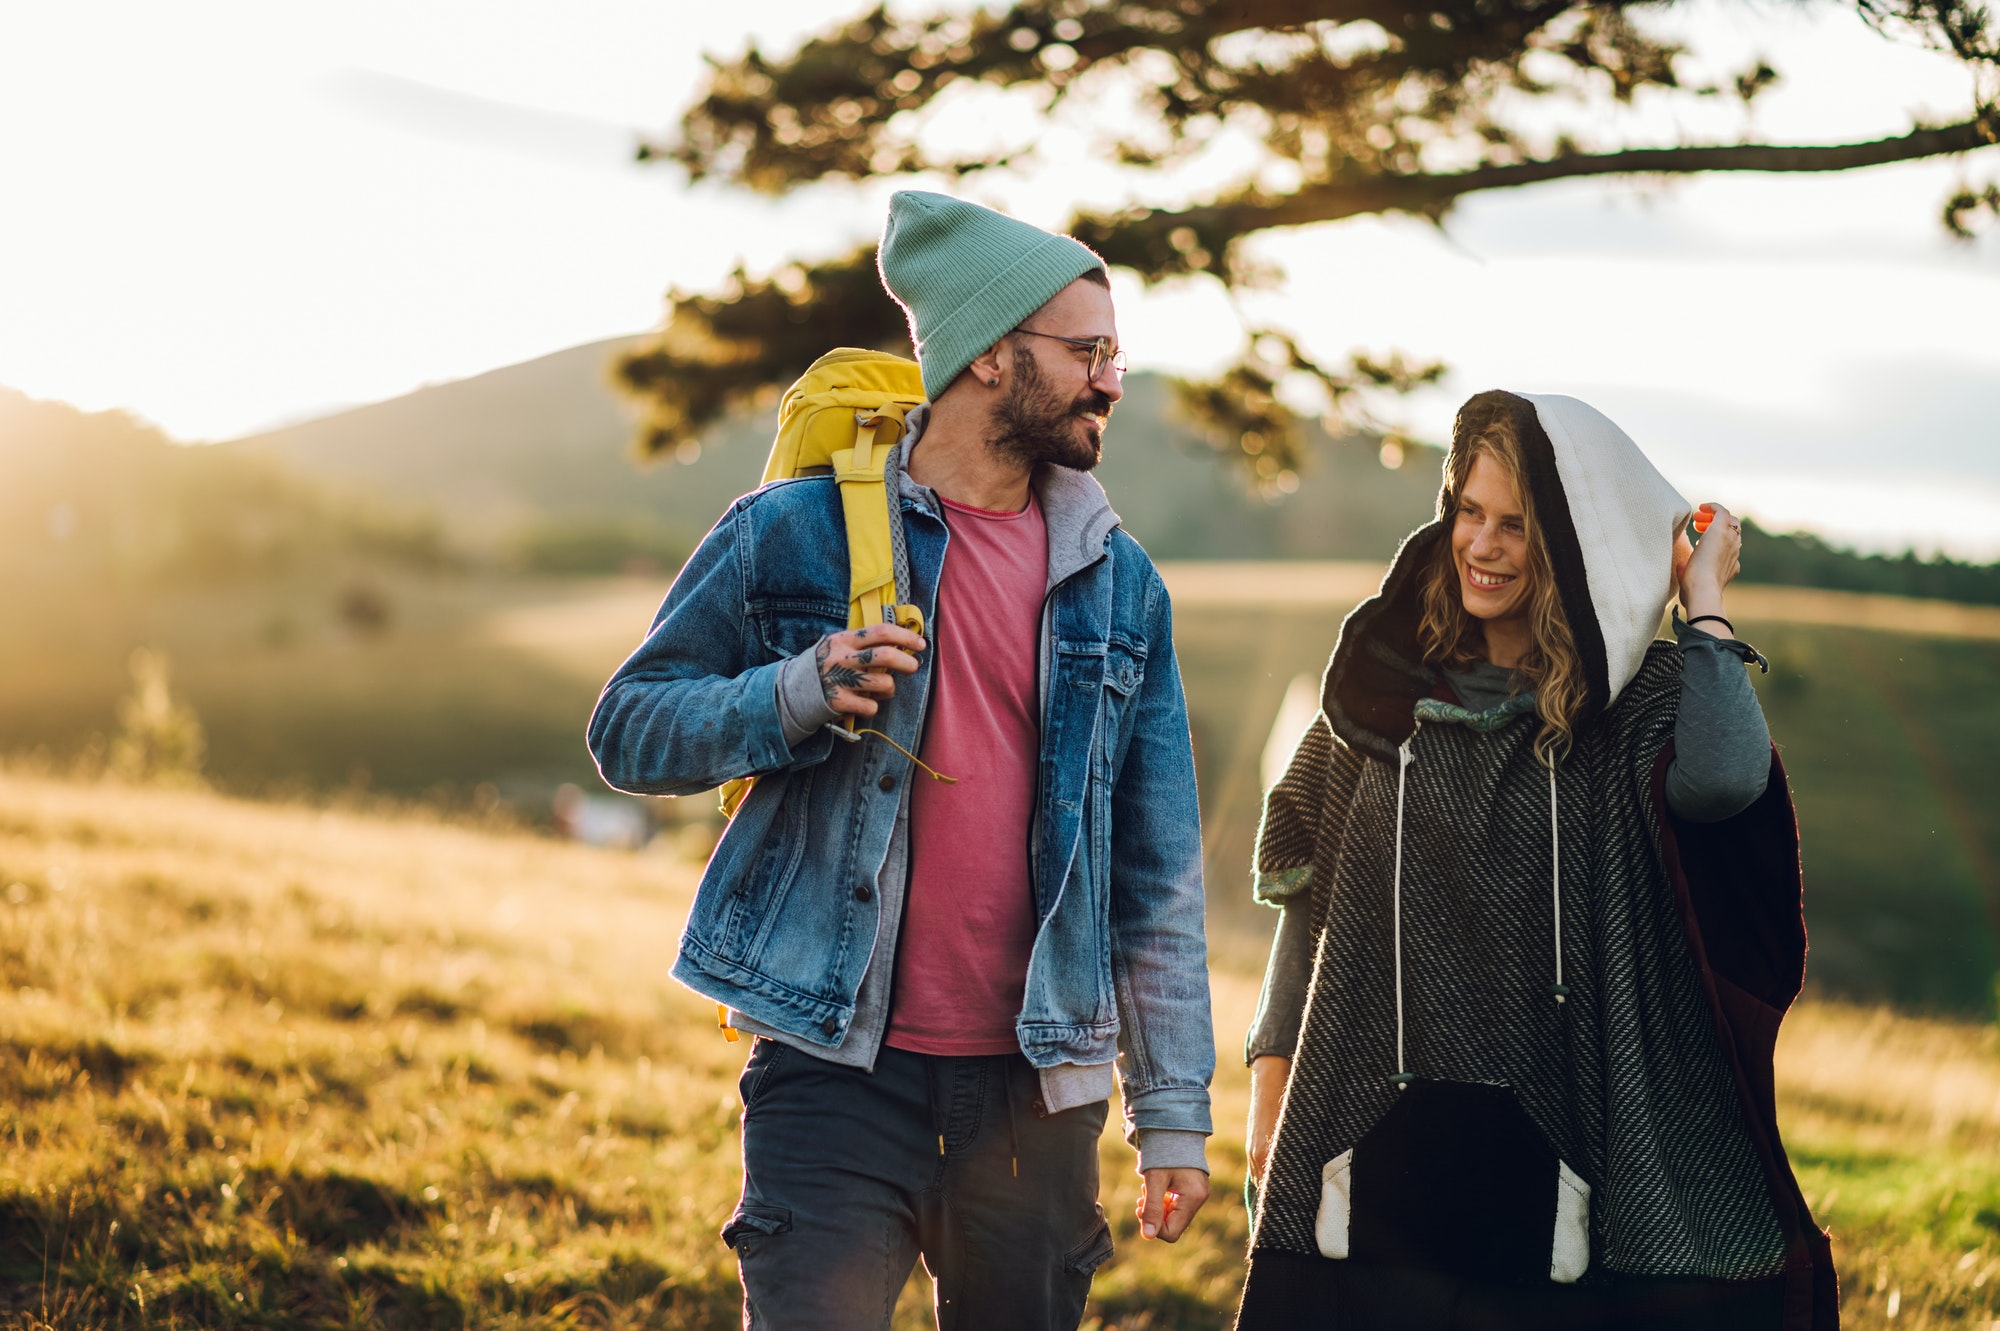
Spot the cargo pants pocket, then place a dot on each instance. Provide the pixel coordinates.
(1093, 1252)
(753, 1221)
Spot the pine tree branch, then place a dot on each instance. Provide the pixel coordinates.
(1161, 243)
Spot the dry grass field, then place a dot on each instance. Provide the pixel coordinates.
(278, 1066)
(275, 1066)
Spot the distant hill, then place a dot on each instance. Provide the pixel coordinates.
(548, 443)
(535, 460)
(548, 438)
(99, 496)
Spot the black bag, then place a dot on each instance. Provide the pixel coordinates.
(1456, 1178)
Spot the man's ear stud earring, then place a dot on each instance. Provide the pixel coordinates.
(994, 382)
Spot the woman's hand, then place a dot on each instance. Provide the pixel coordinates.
(1268, 1076)
(1702, 571)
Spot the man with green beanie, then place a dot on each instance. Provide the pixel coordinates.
(947, 978)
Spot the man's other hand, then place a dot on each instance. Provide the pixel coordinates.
(858, 667)
(1169, 1200)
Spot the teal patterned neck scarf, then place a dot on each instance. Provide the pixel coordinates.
(1484, 723)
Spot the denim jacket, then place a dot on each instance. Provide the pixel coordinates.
(794, 925)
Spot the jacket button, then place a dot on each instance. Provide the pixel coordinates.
(831, 1027)
(862, 893)
(887, 782)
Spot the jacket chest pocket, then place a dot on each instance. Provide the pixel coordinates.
(787, 627)
(1124, 672)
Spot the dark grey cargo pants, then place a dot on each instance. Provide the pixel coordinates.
(849, 1176)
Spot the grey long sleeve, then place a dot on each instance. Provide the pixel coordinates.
(1722, 748)
(1275, 1029)
(802, 705)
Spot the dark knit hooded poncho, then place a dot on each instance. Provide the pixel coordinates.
(1457, 891)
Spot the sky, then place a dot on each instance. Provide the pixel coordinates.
(220, 216)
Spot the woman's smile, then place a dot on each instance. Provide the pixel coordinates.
(1489, 545)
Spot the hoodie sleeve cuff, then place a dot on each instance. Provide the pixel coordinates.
(1688, 637)
(1067, 1085)
(1276, 887)
(1172, 1148)
(802, 705)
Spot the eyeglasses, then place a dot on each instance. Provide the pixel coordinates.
(1102, 350)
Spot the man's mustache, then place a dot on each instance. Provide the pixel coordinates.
(1094, 403)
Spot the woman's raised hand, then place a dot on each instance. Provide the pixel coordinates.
(1710, 566)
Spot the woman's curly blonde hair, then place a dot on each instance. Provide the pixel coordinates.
(1452, 638)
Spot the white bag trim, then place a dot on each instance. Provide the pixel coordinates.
(1336, 1203)
(1569, 1255)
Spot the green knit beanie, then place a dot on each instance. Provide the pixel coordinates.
(966, 276)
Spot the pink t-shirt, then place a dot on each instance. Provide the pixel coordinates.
(969, 923)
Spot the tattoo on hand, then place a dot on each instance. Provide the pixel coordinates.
(837, 677)
(866, 656)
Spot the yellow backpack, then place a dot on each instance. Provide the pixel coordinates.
(843, 418)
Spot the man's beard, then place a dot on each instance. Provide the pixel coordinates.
(1036, 425)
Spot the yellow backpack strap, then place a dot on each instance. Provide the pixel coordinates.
(731, 794)
(862, 472)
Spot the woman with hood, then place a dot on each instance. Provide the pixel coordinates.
(1542, 918)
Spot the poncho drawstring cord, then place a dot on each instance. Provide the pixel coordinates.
(1404, 757)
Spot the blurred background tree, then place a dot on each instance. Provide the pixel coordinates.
(159, 736)
(1310, 112)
